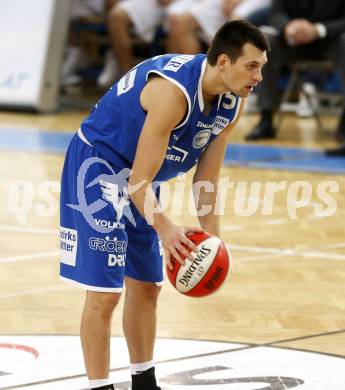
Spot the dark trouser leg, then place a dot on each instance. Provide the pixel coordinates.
(267, 90)
(282, 54)
(336, 53)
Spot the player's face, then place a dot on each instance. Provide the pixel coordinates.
(242, 76)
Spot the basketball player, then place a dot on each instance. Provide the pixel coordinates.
(164, 116)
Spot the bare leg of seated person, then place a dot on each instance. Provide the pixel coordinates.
(183, 34)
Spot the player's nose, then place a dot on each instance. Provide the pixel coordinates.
(258, 76)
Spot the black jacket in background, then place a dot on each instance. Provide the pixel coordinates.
(331, 13)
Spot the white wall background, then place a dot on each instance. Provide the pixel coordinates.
(32, 40)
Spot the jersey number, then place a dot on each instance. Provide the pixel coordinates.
(232, 101)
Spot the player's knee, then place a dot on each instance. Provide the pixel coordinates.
(152, 292)
(143, 291)
(101, 304)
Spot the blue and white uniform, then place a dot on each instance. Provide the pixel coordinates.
(104, 238)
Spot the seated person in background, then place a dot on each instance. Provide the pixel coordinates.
(76, 58)
(306, 30)
(254, 11)
(141, 17)
(203, 18)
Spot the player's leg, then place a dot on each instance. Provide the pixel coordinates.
(95, 332)
(93, 251)
(139, 318)
(139, 325)
(144, 276)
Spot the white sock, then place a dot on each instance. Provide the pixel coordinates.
(138, 368)
(94, 383)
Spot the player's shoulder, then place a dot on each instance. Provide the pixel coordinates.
(181, 67)
(178, 62)
(160, 92)
(162, 89)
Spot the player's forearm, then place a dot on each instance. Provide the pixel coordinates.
(205, 203)
(210, 223)
(148, 206)
(149, 158)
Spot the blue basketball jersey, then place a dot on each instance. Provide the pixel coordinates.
(101, 244)
(114, 125)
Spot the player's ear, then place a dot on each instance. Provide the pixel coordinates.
(223, 59)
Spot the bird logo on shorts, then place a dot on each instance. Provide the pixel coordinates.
(115, 191)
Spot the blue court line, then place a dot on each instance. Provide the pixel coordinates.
(253, 156)
(34, 140)
(292, 159)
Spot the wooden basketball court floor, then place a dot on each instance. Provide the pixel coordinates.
(287, 288)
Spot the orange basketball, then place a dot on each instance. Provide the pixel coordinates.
(207, 272)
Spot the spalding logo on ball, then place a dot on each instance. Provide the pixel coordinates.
(206, 273)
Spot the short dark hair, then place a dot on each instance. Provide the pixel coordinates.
(231, 37)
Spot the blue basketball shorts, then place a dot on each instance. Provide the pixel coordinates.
(103, 237)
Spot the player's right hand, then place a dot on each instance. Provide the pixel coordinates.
(176, 244)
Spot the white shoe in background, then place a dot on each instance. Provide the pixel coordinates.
(75, 60)
(303, 108)
(306, 107)
(110, 71)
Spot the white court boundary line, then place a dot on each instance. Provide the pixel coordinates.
(23, 229)
(336, 246)
(31, 256)
(260, 257)
(286, 252)
(36, 291)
